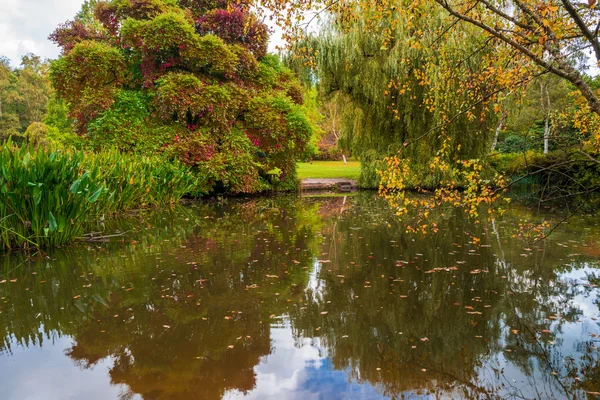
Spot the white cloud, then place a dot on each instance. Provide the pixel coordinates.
(26, 24)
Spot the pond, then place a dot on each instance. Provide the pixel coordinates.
(305, 298)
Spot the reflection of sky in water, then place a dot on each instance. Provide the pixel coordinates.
(568, 342)
(46, 373)
(301, 371)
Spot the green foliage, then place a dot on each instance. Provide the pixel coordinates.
(371, 164)
(58, 139)
(9, 126)
(45, 196)
(137, 181)
(314, 117)
(279, 128)
(24, 93)
(37, 134)
(58, 115)
(516, 162)
(48, 197)
(391, 90)
(124, 125)
(153, 79)
(88, 78)
(233, 167)
(41, 134)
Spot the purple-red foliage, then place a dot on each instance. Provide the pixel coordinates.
(236, 26)
(69, 33)
(200, 7)
(107, 15)
(194, 149)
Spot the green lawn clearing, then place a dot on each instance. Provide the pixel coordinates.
(329, 169)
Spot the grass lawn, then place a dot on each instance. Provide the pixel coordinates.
(329, 169)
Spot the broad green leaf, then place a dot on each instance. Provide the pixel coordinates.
(52, 222)
(96, 195)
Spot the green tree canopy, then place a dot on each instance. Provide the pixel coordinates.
(190, 79)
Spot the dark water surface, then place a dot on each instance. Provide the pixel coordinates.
(305, 298)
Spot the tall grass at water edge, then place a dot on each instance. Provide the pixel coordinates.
(48, 198)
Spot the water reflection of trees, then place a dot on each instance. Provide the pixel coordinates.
(422, 326)
(182, 314)
(167, 302)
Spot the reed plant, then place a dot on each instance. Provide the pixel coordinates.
(48, 197)
(137, 181)
(45, 196)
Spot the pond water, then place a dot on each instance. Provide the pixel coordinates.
(305, 298)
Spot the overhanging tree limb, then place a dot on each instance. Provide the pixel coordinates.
(556, 64)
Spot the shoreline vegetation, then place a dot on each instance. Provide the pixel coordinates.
(152, 101)
(49, 197)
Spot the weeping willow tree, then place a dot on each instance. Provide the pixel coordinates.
(404, 82)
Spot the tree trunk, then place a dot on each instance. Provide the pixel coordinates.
(546, 108)
(500, 126)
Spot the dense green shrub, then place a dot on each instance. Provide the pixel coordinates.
(512, 144)
(516, 163)
(190, 81)
(41, 134)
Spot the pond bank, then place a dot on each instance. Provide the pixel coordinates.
(329, 184)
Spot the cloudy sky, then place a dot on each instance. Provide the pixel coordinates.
(26, 24)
